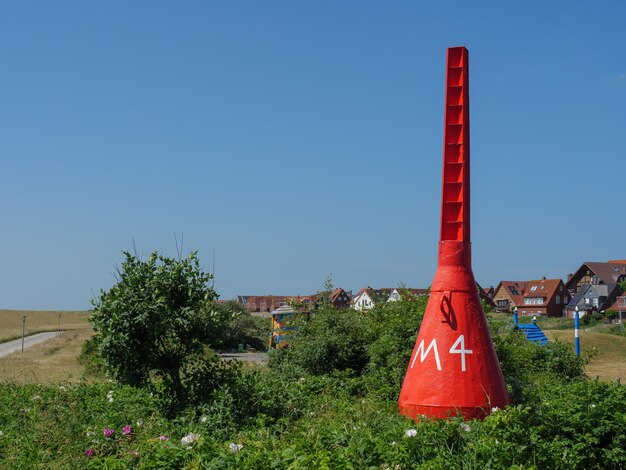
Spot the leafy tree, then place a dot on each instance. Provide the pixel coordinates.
(155, 319)
(243, 328)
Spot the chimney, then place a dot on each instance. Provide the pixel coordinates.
(569, 276)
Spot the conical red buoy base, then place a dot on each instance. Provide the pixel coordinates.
(454, 368)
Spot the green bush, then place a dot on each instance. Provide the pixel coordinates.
(391, 334)
(321, 421)
(242, 328)
(328, 339)
(154, 319)
(525, 364)
(90, 358)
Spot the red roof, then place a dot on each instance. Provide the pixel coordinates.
(515, 290)
(545, 288)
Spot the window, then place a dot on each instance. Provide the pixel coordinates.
(595, 302)
(533, 288)
(558, 300)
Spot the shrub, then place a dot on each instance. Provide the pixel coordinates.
(391, 334)
(90, 358)
(155, 318)
(243, 328)
(524, 364)
(328, 339)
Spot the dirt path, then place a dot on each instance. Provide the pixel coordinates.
(16, 345)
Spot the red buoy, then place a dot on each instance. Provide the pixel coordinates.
(454, 368)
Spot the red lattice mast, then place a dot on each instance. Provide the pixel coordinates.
(454, 368)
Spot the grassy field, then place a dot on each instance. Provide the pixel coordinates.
(38, 321)
(52, 361)
(609, 363)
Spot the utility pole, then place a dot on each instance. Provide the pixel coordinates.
(23, 330)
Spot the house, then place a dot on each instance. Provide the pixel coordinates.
(619, 305)
(485, 296)
(367, 297)
(509, 294)
(261, 303)
(339, 298)
(489, 291)
(592, 272)
(544, 297)
(593, 298)
(404, 292)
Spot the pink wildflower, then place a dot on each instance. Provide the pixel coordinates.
(89, 452)
(163, 438)
(126, 430)
(108, 432)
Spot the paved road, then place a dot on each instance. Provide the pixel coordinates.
(16, 345)
(249, 356)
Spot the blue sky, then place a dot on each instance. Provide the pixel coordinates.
(300, 139)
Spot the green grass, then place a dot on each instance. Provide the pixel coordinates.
(609, 352)
(54, 360)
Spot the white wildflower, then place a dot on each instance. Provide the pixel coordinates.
(235, 447)
(1, 433)
(393, 443)
(36, 397)
(465, 427)
(109, 393)
(189, 439)
(62, 388)
(494, 409)
(410, 433)
(140, 422)
(301, 380)
(89, 433)
(110, 399)
(592, 405)
(203, 419)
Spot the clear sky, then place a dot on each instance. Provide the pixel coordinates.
(300, 139)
